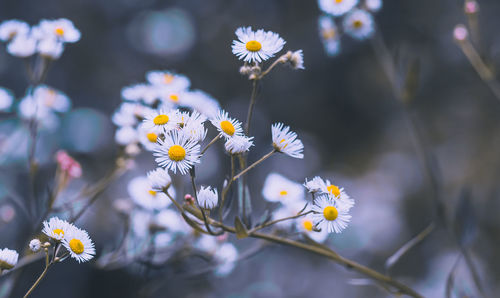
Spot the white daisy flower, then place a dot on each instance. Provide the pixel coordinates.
(172, 221)
(6, 99)
(148, 137)
(11, 28)
(373, 5)
(142, 193)
(285, 141)
(56, 228)
(171, 97)
(168, 78)
(79, 244)
(329, 214)
(226, 256)
(129, 114)
(177, 152)
(23, 45)
(330, 36)
(52, 98)
(238, 144)
(305, 225)
(277, 188)
(126, 135)
(144, 92)
(35, 245)
(60, 29)
(226, 125)
(161, 121)
(208, 197)
(202, 102)
(337, 7)
(192, 125)
(256, 46)
(359, 24)
(159, 179)
(317, 184)
(8, 259)
(50, 48)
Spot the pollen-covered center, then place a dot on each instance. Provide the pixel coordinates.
(329, 33)
(58, 232)
(227, 127)
(152, 192)
(160, 120)
(357, 24)
(76, 246)
(174, 97)
(338, 1)
(253, 46)
(59, 31)
(283, 193)
(308, 225)
(176, 153)
(168, 78)
(152, 137)
(333, 189)
(330, 213)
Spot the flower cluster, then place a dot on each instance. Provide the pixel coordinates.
(47, 38)
(352, 17)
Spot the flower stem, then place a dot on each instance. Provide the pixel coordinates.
(226, 189)
(211, 143)
(37, 282)
(265, 225)
(254, 164)
(251, 106)
(198, 204)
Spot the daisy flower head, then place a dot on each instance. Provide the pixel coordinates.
(52, 98)
(6, 99)
(329, 34)
(159, 179)
(337, 7)
(192, 125)
(11, 28)
(35, 245)
(168, 78)
(208, 197)
(317, 184)
(172, 97)
(79, 244)
(23, 45)
(278, 188)
(160, 121)
(256, 46)
(50, 48)
(238, 144)
(8, 259)
(285, 141)
(126, 135)
(305, 225)
(61, 29)
(373, 5)
(177, 152)
(56, 228)
(226, 256)
(227, 126)
(359, 24)
(148, 137)
(329, 214)
(143, 193)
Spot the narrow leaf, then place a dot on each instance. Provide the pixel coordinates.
(241, 231)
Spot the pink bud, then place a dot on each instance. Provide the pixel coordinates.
(471, 7)
(460, 33)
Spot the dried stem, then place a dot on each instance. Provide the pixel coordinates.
(254, 164)
(251, 106)
(211, 143)
(265, 225)
(37, 282)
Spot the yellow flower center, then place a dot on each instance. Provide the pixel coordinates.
(51, 98)
(357, 24)
(59, 31)
(330, 213)
(152, 192)
(176, 153)
(168, 78)
(338, 1)
(334, 190)
(283, 193)
(329, 33)
(308, 225)
(160, 119)
(227, 127)
(58, 232)
(174, 97)
(152, 137)
(253, 46)
(76, 246)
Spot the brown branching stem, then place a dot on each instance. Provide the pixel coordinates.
(254, 164)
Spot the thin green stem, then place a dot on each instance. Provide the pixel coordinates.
(251, 106)
(198, 204)
(254, 164)
(211, 143)
(226, 189)
(37, 282)
(276, 62)
(265, 225)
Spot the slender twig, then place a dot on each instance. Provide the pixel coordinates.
(199, 206)
(265, 225)
(279, 60)
(211, 143)
(251, 106)
(473, 271)
(254, 164)
(226, 189)
(37, 282)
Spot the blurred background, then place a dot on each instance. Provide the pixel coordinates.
(354, 131)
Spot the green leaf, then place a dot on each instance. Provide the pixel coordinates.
(241, 231)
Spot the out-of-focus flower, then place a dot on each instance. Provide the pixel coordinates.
(337, 7)
(277, 188)
(177, 152)
(208, 197)
(69, 165)
(142, 193)
(329, 214)
(11, 28)
(35, 245)
(52, 99)
(148, 137)
(50, 48)
(79, 244)
(126, 135)
(6, 99)
(172, 221)
(23, 45)
(159, 179)
(329, 35)
(61, 29)
(202, 102)
(7, 213)
(373, 5)
(288, 209)
(168, 78)
(286, 141)
(460, 32)
(305, 225)
(8, 258)
(56, 228)
(256, 46)
(359, 24)
(226, 256)
(226, 125)
(238, 144)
